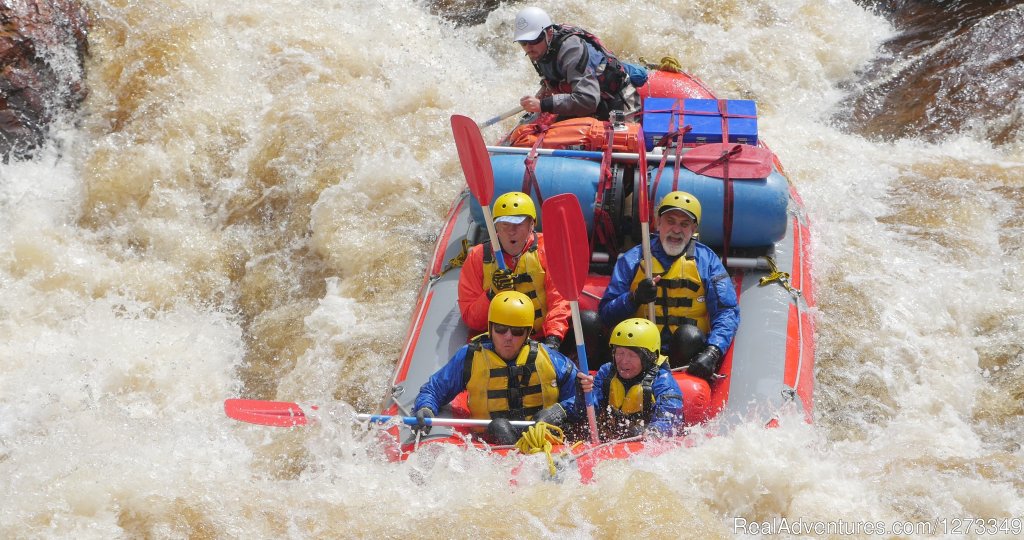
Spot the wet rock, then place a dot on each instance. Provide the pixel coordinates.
(954, 66)
(42, 51)
(463, 12)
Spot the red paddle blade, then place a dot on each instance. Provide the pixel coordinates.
(476, 162)
(265, 413)
(746, 162)
(565, 241)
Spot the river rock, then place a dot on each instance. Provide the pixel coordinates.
(38, 41)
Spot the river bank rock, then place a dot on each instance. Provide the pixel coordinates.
(953, 66)
(43, 44)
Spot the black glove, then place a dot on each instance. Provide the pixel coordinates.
(645, 293)
(553, 342)
(421, 417)
(502, 432)
(554, 415)
(705, 364)
(501, 280)
(633, 430)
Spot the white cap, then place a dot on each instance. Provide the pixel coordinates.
(515, 220)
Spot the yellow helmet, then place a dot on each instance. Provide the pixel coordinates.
(683, 201)
(636, 333)
(511, 206)
(511, 308)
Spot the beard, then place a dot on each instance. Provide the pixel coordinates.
(672, 248)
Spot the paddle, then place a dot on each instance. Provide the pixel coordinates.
(265, 413)
(500, 117)
(284, 414)
(568, 258)
(476, 165)
(643, 205)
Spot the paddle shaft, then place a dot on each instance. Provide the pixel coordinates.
(645, 235)
(500, 117)
(451, 422)
(581, 355)
(568, 265)
(492, 234)
(286, 414)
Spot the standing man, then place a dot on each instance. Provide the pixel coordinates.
(507, 375)
(523, 250)
(579, 77)
(692, 293)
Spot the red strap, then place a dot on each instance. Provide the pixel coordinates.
(530, 182)
(678, 137)
(677, 165)
(723, 109)
(657, 176)
(727, 212)
(604, 230)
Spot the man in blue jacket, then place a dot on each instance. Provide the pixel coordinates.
(507, 376)
(694, 299)
(636, 393)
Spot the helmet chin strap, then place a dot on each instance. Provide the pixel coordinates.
(647, 359)
(549, 33)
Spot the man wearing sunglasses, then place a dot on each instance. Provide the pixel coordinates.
(579, 76)
(523, 250)
(506, 375)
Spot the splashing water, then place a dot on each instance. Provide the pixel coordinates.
(247, 208)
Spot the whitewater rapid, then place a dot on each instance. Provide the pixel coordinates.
(246, 204)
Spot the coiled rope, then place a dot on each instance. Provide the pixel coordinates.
(541, 437)
(667, 63)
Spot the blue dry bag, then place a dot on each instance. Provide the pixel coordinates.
(637, 74)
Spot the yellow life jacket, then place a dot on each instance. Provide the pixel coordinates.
(528, 276)
(637, 401)
(500, 389)
(680, 294)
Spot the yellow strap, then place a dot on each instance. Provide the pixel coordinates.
(775, 275)
(540, 437)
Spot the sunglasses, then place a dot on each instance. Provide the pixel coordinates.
(517, 331)
(534, 42)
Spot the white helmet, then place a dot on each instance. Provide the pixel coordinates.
(530, 22)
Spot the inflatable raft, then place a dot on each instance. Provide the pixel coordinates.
(752, 216)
